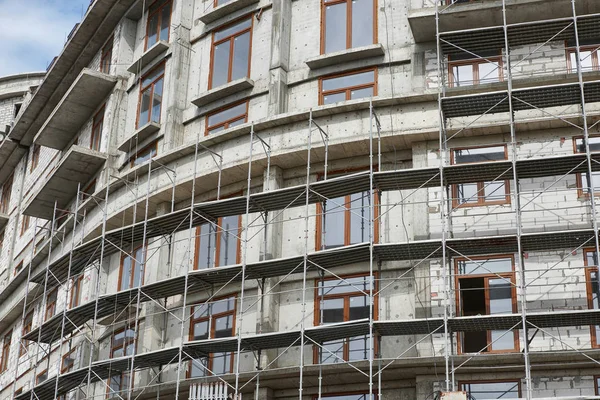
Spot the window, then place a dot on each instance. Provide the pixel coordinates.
(51, 304)
(132, 269)
(340, 300)
(588, 56)
(227, 118)
(1, 241)
(151, 92)
(18, 391)
(597, 385)
(41, 377)
(343, 221)
(68, 361)
(106, 58)
(145, 154)
(480, 193)
(347, 24)
(464, 70)
(27, 325)
(231, 49)
(35, 156)
(348, 86)
(212, 321)
(17, 109)
(218, 245)
(97, 125)
(76, 291)
(159, 23)
(5, 197)
(5, 352)
(122, 344)
(593, 290)
(19, 267)
(24, 224)
(342, 396)
(486, 286)
(583, 186)
(491, 389)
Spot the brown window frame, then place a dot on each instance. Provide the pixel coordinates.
(595, 340)
(348, 90)
(594, 49)
(510, 275)
(346, 296)
(470, 382)
(1, 240)
(151, 13)
(475, 62)
(75, 292)
(150, 86)
(25, 222)
(19, 391)
(18, 267)
(581, 192)
(143, 151)
(132, 273)
(597, 385)
(126, 342)
(217, 245)
(225, 124)
(212, 318)
(481, 202)
(231, 39)
(319, 245)
(97, 126)
(106, 56)
(325, 4)
(37, 377)
(35, 157)
(5, 195)
(25, 329)
(72, 355)
(6, 343)
(51, 306)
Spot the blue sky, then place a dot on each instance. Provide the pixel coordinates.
(32, 32)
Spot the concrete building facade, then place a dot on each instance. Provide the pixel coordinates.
(305, 199)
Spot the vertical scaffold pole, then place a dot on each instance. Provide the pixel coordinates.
(371, 242)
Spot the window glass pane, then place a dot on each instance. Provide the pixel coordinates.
(489, 72)
(491, 266)
(224, 327)
(241, 55)
(227, 114)
(165, 22)
(349, 285)
(229, 240)
(359, 217)
(462, 75)
(144, 107)
(224, 305)
(595, 295)
(335, 28)
(333, 222)
(206, 250)
(221, 2)
(220, 70)
(591, 258)
(334, 98)
(586, 60)
(358, 348)
(594, 142)
(126, 273)
(359, 307)
(346, 81)
(362, 23)
(500, 294)
(240, 26)
(199, 367)
(138, 271)
(200, 330)
(492, 390)
(221, 363)
(152, 30)
(494, 191)
(151, 77)
(237, 122)
(157, 100)
(467, 193)
(595, 180)
(361, 93)
(332, 311)
(482, 154)
(332, 352)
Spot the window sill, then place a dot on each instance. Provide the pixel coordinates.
(149, 55)
(358, 53)
(139, 136)
(223, 91)
(225, 10)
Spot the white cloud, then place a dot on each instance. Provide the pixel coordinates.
(32, 32)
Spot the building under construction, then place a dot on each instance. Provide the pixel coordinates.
(305, 199)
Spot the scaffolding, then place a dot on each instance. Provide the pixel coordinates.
(260, 210)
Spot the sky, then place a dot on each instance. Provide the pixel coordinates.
(32, 32)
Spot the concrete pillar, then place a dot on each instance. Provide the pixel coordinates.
(264, 394)
(280, 54)
(268, 306)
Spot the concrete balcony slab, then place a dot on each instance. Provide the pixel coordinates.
(223, 91)
(10, 156)
(75, 109)
(344, 56)
(225, 9)
(149, 55)
(78, 166)
(139, 136)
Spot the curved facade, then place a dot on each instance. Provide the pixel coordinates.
(311, 199)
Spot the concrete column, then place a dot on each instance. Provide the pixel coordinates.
(268, 306)
(280, 54)
(264, 394)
